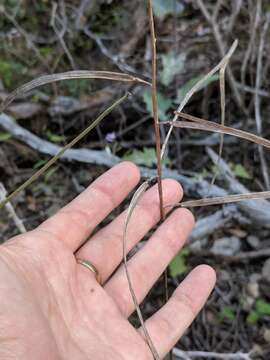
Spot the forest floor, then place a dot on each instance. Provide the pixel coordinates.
(192, 37)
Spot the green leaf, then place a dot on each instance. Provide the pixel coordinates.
(49, 173)
(240, 171)
(54, 137)
(75, 87)
(46, 51)
(5, 136)
(9, 70)
(163, 8)
(252, 317)
(172, 65)
(145, 157)
(178, 265)
(164, 104)
(189, 85)
(262, 307)
(39, 164)
(227, 313)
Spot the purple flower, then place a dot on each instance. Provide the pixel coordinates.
(110, 137)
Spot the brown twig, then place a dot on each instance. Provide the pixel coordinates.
(222, 106)
(257, 101)
(253, 29)
(221, 47)
(61, 33)
(155, 106)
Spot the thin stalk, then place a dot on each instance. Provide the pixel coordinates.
(134, 201)
(157, 134)
(155, 107)
(61, 152)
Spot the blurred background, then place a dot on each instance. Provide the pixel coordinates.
(44, 37)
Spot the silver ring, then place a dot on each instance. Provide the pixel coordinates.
(90, 267)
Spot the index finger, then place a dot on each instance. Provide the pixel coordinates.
(74, 223)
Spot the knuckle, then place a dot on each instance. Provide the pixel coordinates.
(182, 299)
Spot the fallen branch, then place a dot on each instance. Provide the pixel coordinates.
(10, 209)
(209, 224)
(243, 256)
(256, 210)
(253, 209)
(188, 355)
(62, 150)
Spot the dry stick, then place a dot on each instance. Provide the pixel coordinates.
(217, 35)
(188, 355)
(257, 213)
(76, 74)
(61, 152)
(222, 105)
(251, 90)
(194, 89)
(10, 209)
(201, 124)
(155, 108)
(257, 100)
(60, 34)
(27, 37)
(116, 59)
(254, 27)
(159, 173)
(235, 12)
(136, 197)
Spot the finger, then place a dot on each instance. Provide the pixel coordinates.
(74, 223)
(150, 262)
(170, 322)
(104, 249)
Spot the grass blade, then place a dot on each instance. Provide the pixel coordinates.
(61, 152)
(195, 88)
(225, 199)
(204, 125)
(136, 197)
(76, 74)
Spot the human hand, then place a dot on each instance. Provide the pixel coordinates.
(52, 308)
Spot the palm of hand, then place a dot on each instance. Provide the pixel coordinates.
(53, 308)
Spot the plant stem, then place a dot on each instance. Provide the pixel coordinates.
(157, 129)
(61, 152)
(155, 108)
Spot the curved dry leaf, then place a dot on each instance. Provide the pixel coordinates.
(205, 125)
(220, 200)
(76, 74)
(134, 201)
(196, 87)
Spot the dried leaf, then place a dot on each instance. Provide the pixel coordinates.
(77, 74)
